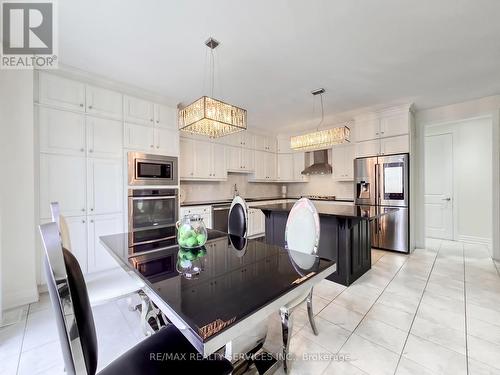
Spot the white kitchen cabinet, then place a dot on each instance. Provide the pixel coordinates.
(138, 111)
(260, 172)
(392, 125)
(77, 228)
(61, 132)
(202, 160)
(139, 137)
(165, 116)
(104, 186)
(247, 160)
(239, 159)
(265, 143)
(367, 128)
(104, 137)
(99, 258)
(299, 164)
(233, 158)
(149, 138)
(63, 180)
(166, 141)
(368, 148)
(104, 102)
(383, 146)
(265, 166)
(218, 161)
(187, 158)
(271, 166)
(285, 167)
(343, 162)
(61, 92)
(284, 146)
(395, 145)
(241, 139)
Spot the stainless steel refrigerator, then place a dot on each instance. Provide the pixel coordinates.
(383, 182)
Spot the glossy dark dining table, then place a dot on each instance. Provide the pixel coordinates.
(215, 294)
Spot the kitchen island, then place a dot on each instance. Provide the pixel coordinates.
(344, 237)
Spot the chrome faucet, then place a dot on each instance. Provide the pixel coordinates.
(235, 191)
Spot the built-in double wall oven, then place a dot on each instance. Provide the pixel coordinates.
(152, 216)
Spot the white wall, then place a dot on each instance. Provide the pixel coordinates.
(210, 190)
(489, 106)
(17, 188)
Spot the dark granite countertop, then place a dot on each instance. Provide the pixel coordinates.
(249, 200)
(345, 211)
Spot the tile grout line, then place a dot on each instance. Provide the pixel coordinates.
(373, 304)
(465, 313)
(24, 335)
(418, 306)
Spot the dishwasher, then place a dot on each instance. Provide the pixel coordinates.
(220, 213)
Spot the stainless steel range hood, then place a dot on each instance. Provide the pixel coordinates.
(320, 164)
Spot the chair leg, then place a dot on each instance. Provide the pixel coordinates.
(310, 312)
(286, 331)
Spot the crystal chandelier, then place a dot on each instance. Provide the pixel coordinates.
(320, 139)
(209, 116)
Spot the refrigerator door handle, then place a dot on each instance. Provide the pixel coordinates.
(377, 184)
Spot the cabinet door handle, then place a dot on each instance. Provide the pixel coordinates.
(91, 209)
(157, 146)
(91, 221)
(83, 221)
(152, 146)
(90, 150)
(82, 150)
(90, 107)
(157, 121)
(81, 105)
(83, 209)
(151, 120)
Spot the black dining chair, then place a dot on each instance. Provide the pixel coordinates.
(165, 352)
(237, 220)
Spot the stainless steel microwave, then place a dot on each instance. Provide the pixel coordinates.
(147, 169)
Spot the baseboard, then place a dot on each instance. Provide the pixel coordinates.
(476, 240)
(20, 298)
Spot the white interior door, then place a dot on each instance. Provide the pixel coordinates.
(438, 197)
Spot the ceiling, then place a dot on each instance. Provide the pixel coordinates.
(273, 53)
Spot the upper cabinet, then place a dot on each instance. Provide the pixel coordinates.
(285, 167)
(61, 132)
(65, 93)
(284, 146)
(383, 133)
(343, 162)
(137, 110)
(240, 139)
(165, 116)
(265, 143)
(104, 102)
(367, 128)
(202, 160)
(61, 92)
(140, 111)
(104, 137)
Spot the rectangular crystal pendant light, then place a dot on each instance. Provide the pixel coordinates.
(212, 117)
(321, 139)
(209, 116)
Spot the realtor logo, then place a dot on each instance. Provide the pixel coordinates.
(28, 35)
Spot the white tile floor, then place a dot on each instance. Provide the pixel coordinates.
(436, 311)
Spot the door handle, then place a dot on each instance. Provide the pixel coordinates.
(446, 199)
